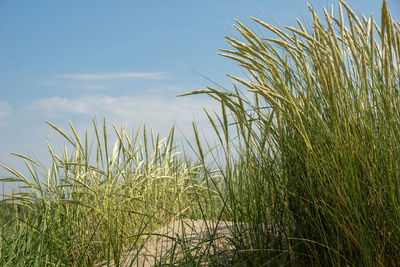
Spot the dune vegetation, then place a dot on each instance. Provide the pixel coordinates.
(307, 158)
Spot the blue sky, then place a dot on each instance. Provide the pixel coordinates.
(126, 60)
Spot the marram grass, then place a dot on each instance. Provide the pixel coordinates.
(310, 161)
(94, 202)
(319, 146)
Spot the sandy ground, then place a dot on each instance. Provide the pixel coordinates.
(185, 237)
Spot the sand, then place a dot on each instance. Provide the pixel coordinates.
(185, 237)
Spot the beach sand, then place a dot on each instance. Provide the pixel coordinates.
(191, 238)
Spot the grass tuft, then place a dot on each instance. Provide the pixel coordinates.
(306, 169)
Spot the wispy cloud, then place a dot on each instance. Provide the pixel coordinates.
(159, 111)
(114, 75)
(5, 111)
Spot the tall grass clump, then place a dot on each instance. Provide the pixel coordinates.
(306, 166)
(98, 200)
(317, 138)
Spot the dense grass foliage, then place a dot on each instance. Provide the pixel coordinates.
(308, 155)
(89, 209)
(319, 150)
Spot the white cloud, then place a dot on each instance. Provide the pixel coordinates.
(114, 75)
(54, 105)
(5, 111)
(160, 112)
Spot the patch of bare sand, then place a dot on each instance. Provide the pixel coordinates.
(185, 239)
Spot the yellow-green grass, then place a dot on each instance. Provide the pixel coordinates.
(95, 202)
(311, 150)
(319, 145)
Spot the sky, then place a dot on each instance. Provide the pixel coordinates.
(70, 61)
